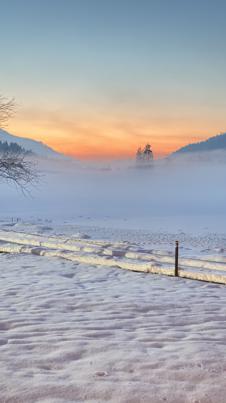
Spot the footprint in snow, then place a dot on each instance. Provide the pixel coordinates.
(101, 373)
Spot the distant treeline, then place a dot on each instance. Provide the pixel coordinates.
(12, 148)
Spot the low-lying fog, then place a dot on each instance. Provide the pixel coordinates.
(119, 193)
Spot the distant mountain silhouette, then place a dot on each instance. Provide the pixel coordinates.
(212, 144)
(36, 147)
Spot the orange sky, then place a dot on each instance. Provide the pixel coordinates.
(95, 136)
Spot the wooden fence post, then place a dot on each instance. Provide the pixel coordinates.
(176, 272)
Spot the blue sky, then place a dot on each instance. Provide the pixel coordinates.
(124, 71)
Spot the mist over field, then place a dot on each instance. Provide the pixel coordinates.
(119, 191)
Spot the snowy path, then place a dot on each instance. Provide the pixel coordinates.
(124, 255)
(77, 333)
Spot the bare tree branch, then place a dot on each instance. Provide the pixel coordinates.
(7, 108)
(18, 169)
(15, 167)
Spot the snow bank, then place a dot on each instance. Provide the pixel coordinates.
(102, 253)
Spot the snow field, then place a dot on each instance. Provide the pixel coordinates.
(71, 332)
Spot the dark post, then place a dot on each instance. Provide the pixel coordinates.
(176, 259)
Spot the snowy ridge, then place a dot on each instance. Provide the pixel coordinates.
(37, 147)
(111, 254)
(217, 142)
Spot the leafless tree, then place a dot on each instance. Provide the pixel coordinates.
(15, 167)
(7, 108)
(18, 169)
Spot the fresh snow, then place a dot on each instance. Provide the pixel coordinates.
(74, 331)
(123, 255)
(78, 322)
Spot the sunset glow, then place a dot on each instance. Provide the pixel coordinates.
(106, 77)
(97, 138)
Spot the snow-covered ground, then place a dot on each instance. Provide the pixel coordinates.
(75, 332)
(74, 326)
(131, 253)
